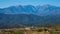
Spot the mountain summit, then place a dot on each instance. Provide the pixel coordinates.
(29, 9)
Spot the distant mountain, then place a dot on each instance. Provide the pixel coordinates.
(29, 9)
(28, 15)
(48, 10)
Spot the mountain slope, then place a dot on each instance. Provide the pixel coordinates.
(29, 9)
(29, 15)
(26, 19)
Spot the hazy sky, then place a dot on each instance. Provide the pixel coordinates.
(7, 3)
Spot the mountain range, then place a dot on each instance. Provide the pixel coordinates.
(29, 15)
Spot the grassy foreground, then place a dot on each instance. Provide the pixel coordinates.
(29, 30)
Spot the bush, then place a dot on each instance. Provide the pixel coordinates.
(40, 30)
(16, 32)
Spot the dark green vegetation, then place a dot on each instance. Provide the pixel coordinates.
(22, 20)
(54, 32)
(53, 25)
(16, 32)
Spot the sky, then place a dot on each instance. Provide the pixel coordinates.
(7, 3)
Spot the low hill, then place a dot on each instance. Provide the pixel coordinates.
(16, 20)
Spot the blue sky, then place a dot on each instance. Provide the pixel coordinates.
(7, 3)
